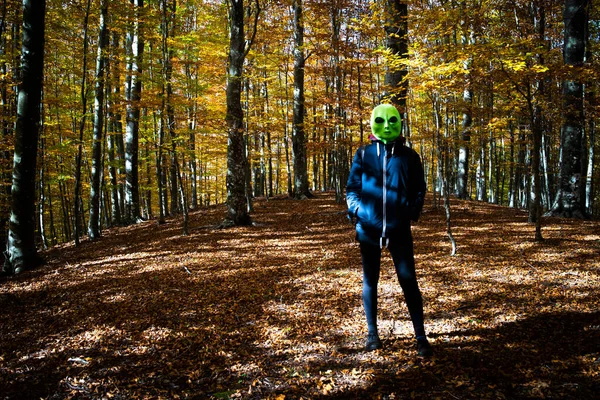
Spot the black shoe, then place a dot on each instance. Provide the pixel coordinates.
(424, 348)
(373, 342)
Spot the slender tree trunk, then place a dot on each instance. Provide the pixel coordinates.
(535, 210)
(94, 220)
(21, 250)
(447, 208)
(112, 94)
(193, 163)
(462, 173)
(116, 125)
(53, 235)
(463, 152)
(134, 94)
(340, 166)
(396, 29)
(42, 195)
(286, 132)
(148, 197)
(592, 102)
(301, 189)
(161, 176)
(545, 173)
(247, 146)
(570, 199)
(183, 205)
(168, 22)
(511, 172)
(83, 95)
(589, 187)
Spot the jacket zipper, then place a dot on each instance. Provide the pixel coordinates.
(382, 244)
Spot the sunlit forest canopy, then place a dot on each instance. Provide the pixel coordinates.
(480, 76)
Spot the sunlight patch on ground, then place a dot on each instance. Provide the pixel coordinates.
(156, 333)
(256, 312)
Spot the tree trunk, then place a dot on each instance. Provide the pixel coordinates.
(193, 164)
(161, 176)
(133, 94)
(570, 199)
(42, 195)
(462, 175)
(183, 200)
(21, 250)
(237, 206)
(301, 189)
(112, 134)
(463, 152)
(83, 95)
(116, 126)
(592, 103)
(535, 210)
(535, 207)
(94, 220)
(167, 53)
(396, 29)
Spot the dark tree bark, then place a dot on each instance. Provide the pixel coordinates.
(78, 159)
(396, 29)
(113, 135)
(535, 207)
(193, 163)
(592, 102)
(133, 94)
(301, 189)
(21, 250)
(116, 148)
(167, 28)
(184, 204)
(42, 195)
(94, 221)
(338, 157)
(237, 204)
(570, 200)
(462, 173)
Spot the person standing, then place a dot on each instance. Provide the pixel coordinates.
(385, 192)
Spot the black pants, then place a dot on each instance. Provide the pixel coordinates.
(404, 262)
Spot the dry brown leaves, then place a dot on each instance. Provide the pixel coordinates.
(274, 311)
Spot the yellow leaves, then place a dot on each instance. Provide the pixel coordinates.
(515, 65)
(540, 69)
(524, 65)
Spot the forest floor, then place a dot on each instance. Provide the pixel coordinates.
(274, 311)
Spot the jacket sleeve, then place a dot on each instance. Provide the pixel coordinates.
(419, 187)
(354, 185)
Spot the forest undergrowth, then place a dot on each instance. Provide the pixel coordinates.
(274, 311)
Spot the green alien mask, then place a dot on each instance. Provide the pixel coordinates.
(386, 123)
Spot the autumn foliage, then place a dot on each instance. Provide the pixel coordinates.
(274, 311)
(481, 78)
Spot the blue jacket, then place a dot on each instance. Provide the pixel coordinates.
(385, 191)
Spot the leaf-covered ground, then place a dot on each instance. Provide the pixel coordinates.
(274, 311)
